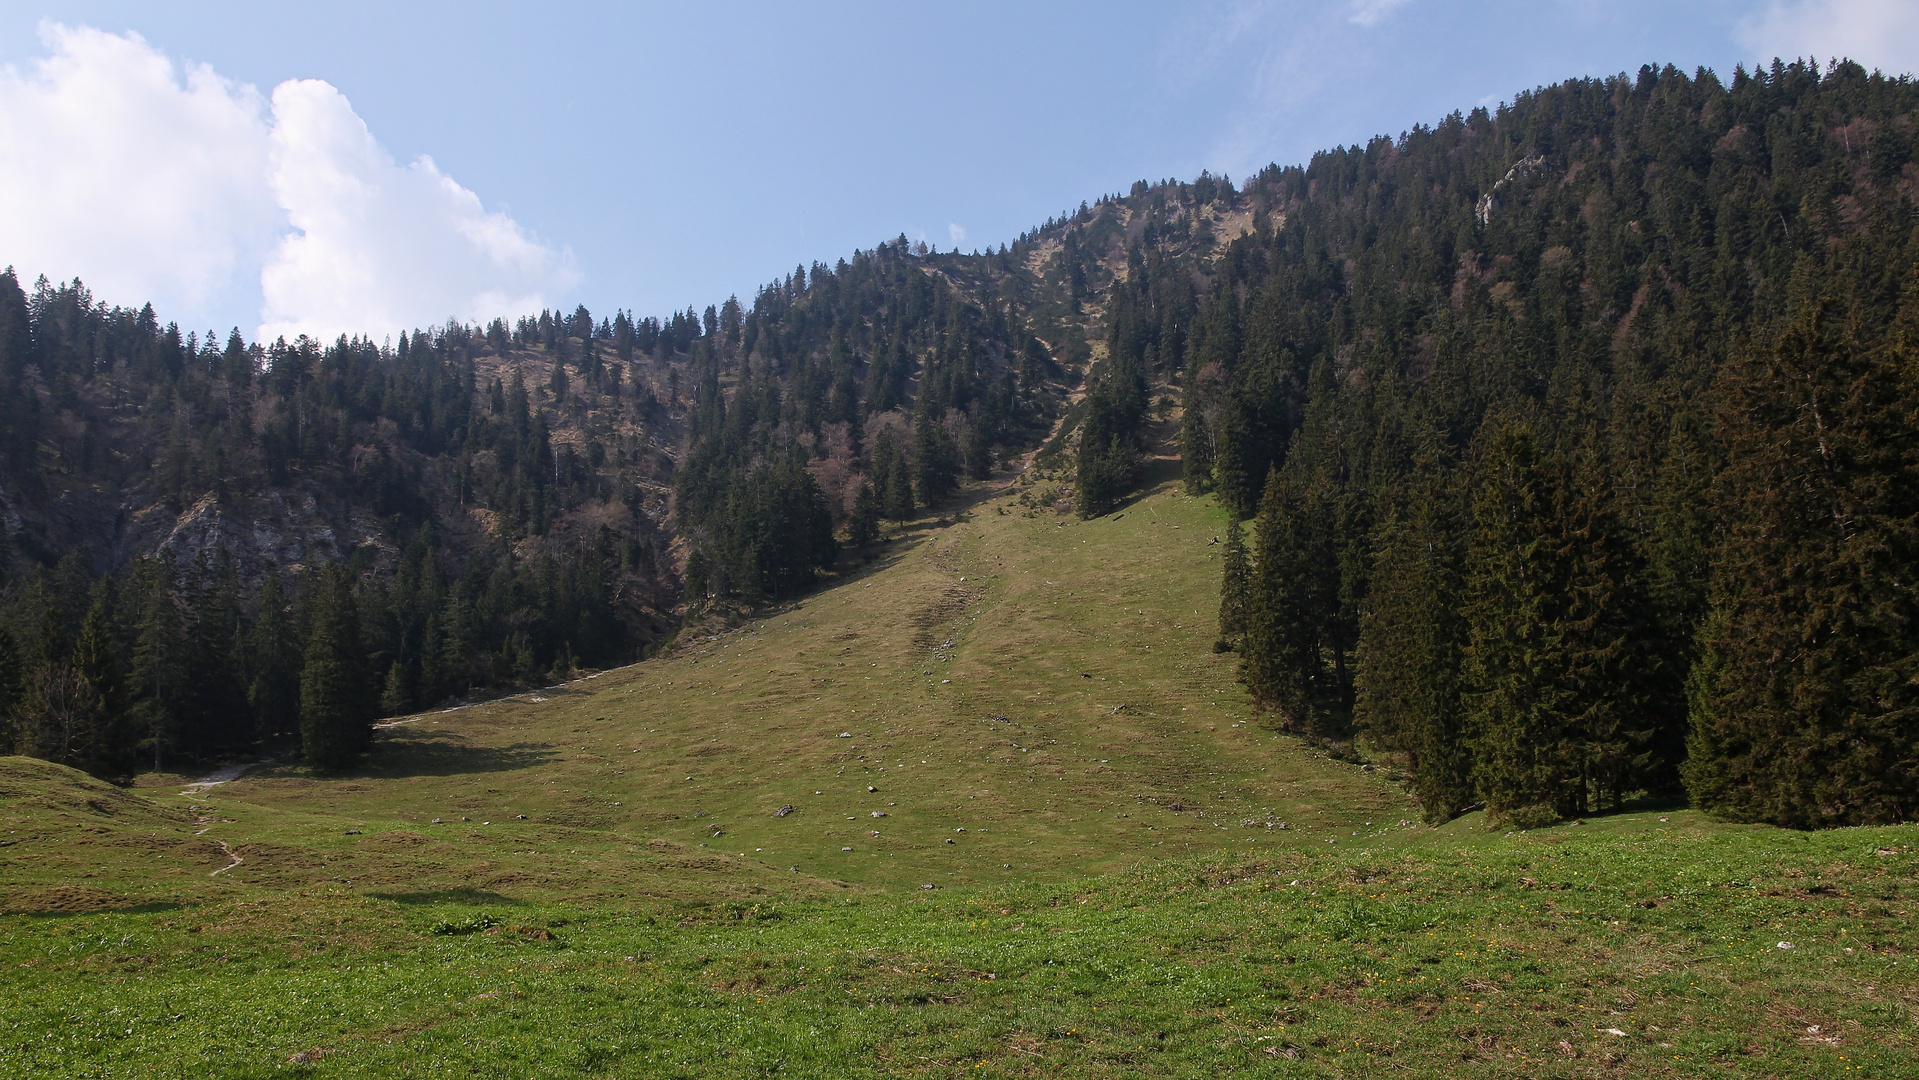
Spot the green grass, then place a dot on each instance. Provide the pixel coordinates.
(1079, 926)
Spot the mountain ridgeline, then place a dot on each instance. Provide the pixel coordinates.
(1576, 442)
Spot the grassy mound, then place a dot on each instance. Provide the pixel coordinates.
(70, 843)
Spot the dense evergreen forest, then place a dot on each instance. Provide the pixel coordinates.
(1578, 442)
(1575, 442)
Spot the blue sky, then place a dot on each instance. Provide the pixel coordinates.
(652, 156)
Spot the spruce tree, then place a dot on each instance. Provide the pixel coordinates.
(96, 655)
(1526, 764)
(336, 695)
(1235, 589)
(1295, 588)
(460, 643)
(863, 525)
(892, 476)
(215, 717)
(1569, 701)
(1410, 641)
(159, 653)
(274, 652)
(12, 692)
(935, 456)
(1808, 676)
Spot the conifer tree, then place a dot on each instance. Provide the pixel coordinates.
(274, 652)
(892, 477)
(863, 525)
(1813, 567)
(336, 698)
(1235, 591)
(1195, 444)
(1526, 764)
(1115, 408)
(96, 656)
(1295, 587)
(215, 717)
(159, 653)
(1410, 640)
(459, 644)
(935, 456)
(1569, 701)
(12, 691)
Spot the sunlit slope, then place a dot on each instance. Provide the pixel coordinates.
(1027, 696)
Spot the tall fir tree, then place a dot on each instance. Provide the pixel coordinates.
(1411, 636)
(159, 653)
(96, 656)
(1804, 698)
(892, 476)
(935, 455)
(1235, 587)
(863, 524)
(1569, 704)
(1295, 590)
(273, 652)
(1526, 761)
(336, 693)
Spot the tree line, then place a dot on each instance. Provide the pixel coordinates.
(192, 663)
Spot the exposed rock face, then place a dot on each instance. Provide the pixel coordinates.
(277, 529)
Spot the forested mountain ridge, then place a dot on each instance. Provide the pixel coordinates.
(492, 503)
(1503, 399)
(1579, 444)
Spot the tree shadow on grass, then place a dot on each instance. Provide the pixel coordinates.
(446, 896)
(148, 908)
(399, 752)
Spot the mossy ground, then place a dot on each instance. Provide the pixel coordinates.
(609, 890)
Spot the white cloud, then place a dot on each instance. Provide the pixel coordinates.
(957, 232)
(151, 180)
(380, 246)
(1880, 34)
(1372, 12)
(116, 166)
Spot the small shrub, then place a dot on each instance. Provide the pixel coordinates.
(472, 925)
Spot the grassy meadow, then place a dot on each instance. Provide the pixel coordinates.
(988, 805)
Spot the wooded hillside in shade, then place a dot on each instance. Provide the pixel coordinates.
(1579, 445)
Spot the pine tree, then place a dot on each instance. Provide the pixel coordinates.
(892, 477)
(935, 457)
(1410, 641)
(1105, 473)
(215, 718)
(1295, 591)
(274, 652)
(1818, 503)
(1235, 590)
(863, 525)
(460, 644)
(1526, 765)
(159, 653)
(1569, 699)
(96, 655)
(1115, 409)
(336, 698)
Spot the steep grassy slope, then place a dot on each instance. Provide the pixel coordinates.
(1116, 906)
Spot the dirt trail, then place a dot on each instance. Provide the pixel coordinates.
(222, 775)
(229, 853)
